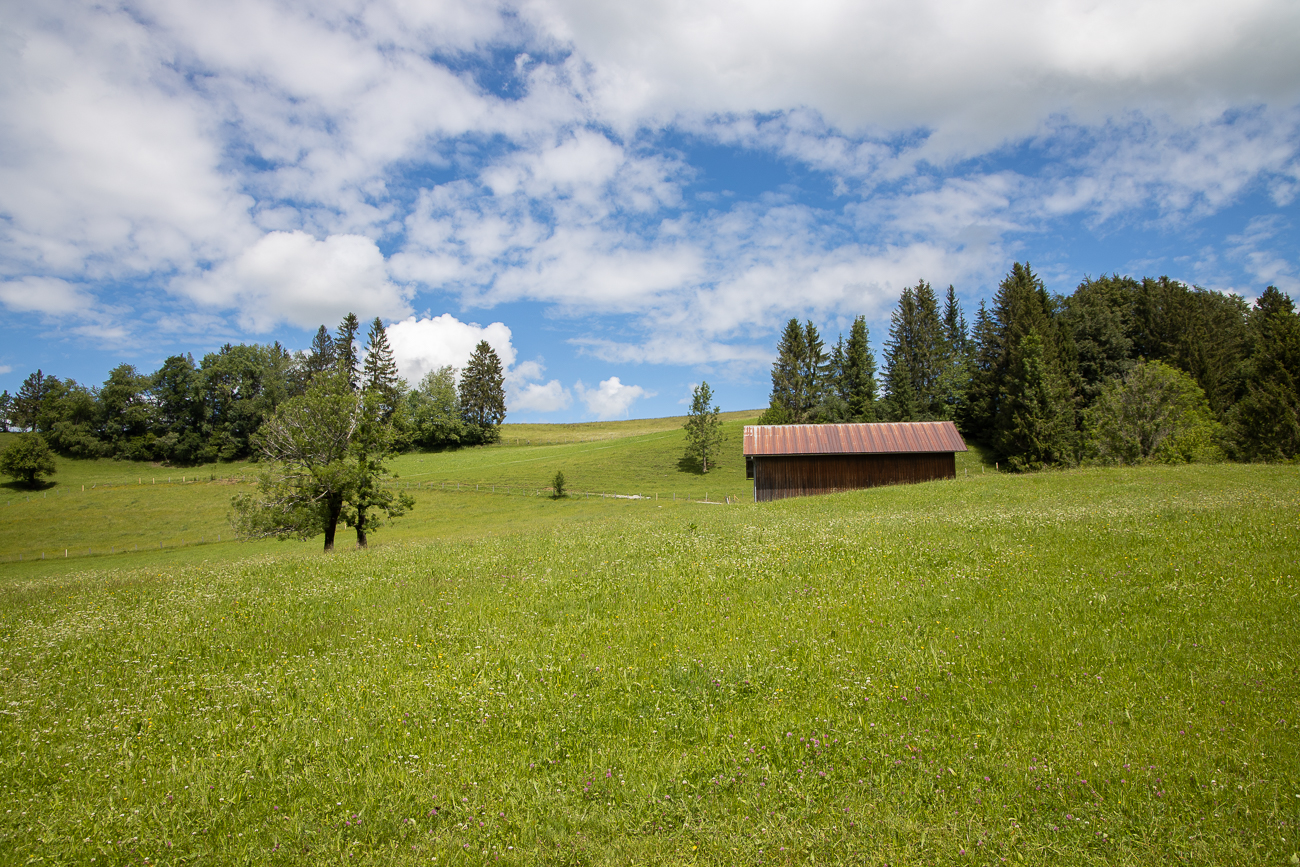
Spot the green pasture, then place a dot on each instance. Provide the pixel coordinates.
(121, 509)
(1087, 667)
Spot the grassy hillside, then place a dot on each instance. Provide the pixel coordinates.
(1086, 667)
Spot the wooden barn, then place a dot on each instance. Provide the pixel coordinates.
(797, 460)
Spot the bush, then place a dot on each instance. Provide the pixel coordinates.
(557, 485)
(27, 459)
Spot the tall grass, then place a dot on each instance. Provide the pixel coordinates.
(1087, 667)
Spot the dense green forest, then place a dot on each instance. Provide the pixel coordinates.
(1122, 370)
(189, 413)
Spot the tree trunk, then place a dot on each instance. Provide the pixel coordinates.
(361, 527)
(332, 509)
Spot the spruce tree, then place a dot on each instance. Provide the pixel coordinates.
(859, 374)
(954, 325)
(1266, 422)
(346, 353)
(916, 345)
(27, 403)
(482, 392)
(1040, 427)
(814, 373)
(380, 372)
(320, 358)
(787, 378)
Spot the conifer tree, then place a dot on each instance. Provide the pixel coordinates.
(1266, 422)
(380, 372)
(787, 383)
(1039, 429)
(859, 374)
(800, 372)
(954, 325)
(320, 358)
(916, 345)
(27, 403)
(346, 353)
(482, 392)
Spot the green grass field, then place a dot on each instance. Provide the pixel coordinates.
(1095, 666)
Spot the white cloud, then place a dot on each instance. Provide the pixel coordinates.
(977, 74)
(540, 397)
(292, 277)
(422, 345)
(611, 398)
(47, 295)
(6, 368)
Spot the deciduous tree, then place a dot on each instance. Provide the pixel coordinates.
(306, 443)
(27, 459)
(703, 427)
(1154, 412)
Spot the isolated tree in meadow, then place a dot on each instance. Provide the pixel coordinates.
(27, 459)
(703, 426)
(557, 485)
(1154, 412)
(306, 443)
(483, 392)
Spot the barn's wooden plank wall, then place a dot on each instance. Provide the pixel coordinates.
(779, 476)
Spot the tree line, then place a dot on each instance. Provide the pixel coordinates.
(187, 413)
(1121, 370)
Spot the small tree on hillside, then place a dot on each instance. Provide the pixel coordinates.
(703, 427)
(27, 459)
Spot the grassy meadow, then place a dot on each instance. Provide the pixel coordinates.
(1087, 667)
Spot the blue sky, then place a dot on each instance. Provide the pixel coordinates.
(624, 199)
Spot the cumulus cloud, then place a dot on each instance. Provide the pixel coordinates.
(975, 74)
(292, 277)
(539, 397)
(426, 344)
(261, 158)
(47, 295)
(611, 398)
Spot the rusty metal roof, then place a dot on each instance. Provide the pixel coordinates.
(839, 439)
